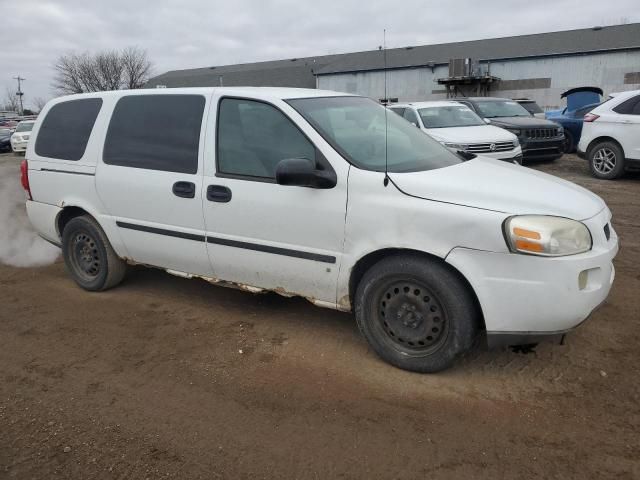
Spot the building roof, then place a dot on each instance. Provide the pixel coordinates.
(300, 72)
(569, 42)
(293, 72)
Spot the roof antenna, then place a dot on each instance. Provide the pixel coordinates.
(386, 101)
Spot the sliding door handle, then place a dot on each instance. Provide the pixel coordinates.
(184, 189)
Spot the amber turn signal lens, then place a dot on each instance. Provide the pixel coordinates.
(528, 246)
(521, 232)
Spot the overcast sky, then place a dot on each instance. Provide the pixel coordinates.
(196, 33)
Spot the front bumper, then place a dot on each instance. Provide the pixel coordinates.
(19, 146)
(542, 149)
(514, 155)
(526, 296)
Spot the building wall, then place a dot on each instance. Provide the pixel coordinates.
(541, 79)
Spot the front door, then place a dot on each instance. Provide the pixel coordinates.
(150, 179)
(261, 234)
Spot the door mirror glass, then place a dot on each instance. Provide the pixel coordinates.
(302, 172)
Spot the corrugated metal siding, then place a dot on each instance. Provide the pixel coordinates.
(606, 70)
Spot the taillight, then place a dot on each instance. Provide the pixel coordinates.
(24, 178)
(591, 117)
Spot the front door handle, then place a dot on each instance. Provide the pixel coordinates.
(184, 189)
(218, 193)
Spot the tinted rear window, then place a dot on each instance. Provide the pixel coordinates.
(65, 131)
(156, 132)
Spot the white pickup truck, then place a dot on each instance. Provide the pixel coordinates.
(322, 195)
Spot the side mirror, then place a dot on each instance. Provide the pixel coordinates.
(415, 124)
(302, 172)
(486, 120)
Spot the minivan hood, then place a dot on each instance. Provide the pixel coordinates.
(501, 186)
(474, 134)
(519, 122)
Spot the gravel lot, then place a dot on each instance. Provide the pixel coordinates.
(165, 377)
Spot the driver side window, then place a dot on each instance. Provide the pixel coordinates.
(253, 137)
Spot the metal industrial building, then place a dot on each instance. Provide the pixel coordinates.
(539, 66)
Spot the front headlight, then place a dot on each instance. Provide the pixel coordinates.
(456, 146)
(546, 236)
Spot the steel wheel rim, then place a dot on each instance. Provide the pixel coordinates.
(85, 255)
(411, 318)
(604, 160)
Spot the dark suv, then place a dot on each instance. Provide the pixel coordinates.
(540, 139)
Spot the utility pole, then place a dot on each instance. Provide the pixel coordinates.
(19, 93)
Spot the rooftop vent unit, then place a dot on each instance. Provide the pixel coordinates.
(463, 67)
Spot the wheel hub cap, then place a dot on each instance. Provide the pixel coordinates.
(411, 317)
(604, 160)
(86, 254)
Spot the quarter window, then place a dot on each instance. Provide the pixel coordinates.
(629, 107)
(155, 132)
(65, 131)
(253, 137)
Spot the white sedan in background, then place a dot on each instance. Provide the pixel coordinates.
(457, 127)
(20, 137)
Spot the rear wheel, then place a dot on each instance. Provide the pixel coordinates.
(415, 313)
(89, 257)
(606, 160)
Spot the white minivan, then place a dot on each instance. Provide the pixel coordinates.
(459, 128)
(321, 195)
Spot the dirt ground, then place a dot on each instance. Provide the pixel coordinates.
(165, 377)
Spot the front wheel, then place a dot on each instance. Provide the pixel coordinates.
(89, 257)
(568, 145)
(416, 313)
(606, 160)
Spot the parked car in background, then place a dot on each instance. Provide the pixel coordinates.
(5, 139)
(20, 137)
(10, 124)
(540, 139)
(458, 128)
(611, 136)
(580, 101)
(322, 195)
(531, 106)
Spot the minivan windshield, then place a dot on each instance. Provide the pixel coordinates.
(501, 108)
(449, 116)
(24, 127)
(355, 127)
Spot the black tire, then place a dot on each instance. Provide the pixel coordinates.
(606, 160)
(89, 257)
(422, 300)
(569, 145)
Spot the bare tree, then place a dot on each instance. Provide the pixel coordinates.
(108, 70)
(10, 101)
(39, 103)
(137, 67)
